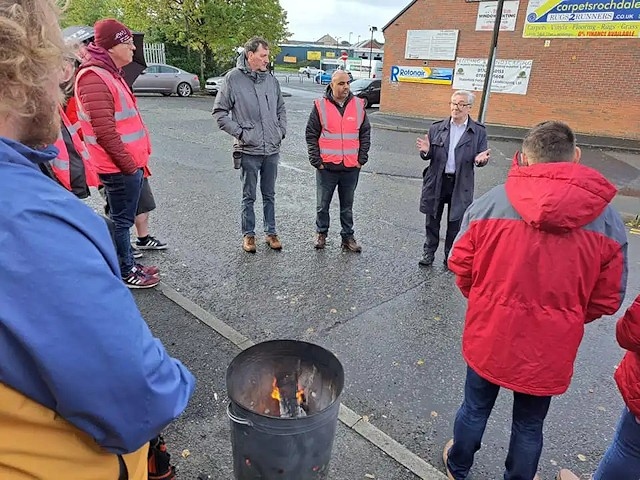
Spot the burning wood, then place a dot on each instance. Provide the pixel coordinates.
(291, 398)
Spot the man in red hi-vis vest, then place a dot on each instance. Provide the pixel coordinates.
(338, 139)
(116, 137)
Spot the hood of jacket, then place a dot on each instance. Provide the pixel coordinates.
(99, 57)
(256, 76)
(558, 197)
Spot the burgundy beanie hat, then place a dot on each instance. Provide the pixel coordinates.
(110, 32)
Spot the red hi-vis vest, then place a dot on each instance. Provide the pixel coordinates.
(129, 125)
(61, 165)
(340, 138)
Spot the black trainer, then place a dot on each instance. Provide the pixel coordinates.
(150, 243)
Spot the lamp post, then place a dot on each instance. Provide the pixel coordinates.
(373, 29)
(350, 33)
(491, 63)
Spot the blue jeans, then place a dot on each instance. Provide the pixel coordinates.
(123, 193)
(622, 459)
(267, 167)
(525, 446)
(326, 183)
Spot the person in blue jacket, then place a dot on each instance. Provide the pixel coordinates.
(72, 340)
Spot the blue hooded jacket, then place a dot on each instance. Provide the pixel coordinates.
(71, 335)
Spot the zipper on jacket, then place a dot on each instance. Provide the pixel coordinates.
(267, 98)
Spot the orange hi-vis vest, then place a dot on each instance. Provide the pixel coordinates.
(129, 124)
(61, 165)
(340, 138)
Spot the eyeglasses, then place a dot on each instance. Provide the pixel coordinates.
(460, 105)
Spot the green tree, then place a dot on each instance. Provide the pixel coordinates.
(87, 12)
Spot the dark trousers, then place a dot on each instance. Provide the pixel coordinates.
(326, 183)
(525, 447)
(433, 223)
(123, 193)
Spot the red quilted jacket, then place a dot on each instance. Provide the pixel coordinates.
(538, 258)
(97, 100)
(628, 373)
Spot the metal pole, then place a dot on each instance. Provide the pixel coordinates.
(373, 29)
(493, 52)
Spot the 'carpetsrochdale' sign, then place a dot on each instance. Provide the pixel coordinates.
(582, 18)
(442, 76)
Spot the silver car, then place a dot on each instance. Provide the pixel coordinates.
(213, 84)
(166, 79)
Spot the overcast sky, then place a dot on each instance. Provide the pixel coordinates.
(310, 20)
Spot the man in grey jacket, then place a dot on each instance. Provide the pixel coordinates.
(250, 107)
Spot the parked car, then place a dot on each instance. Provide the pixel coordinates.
(368, 89)
(324, 78)
(213, 84)
(309, 71)
(166, 79)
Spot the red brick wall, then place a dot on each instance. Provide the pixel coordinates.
(592, 84)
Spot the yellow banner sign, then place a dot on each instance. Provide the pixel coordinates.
(314, 55)
(290, 60)
(582, 19)
(331, 54)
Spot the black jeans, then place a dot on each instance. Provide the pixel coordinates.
(326, 183)
(433, 223)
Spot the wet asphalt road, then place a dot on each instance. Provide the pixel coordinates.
(395, 327)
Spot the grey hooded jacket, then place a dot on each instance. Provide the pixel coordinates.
(250, 107)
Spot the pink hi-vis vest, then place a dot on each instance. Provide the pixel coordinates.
(61, 165)
(129, 124)
(340, 138)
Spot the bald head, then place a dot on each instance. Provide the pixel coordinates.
(340, 85)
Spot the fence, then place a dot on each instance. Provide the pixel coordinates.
(154, 53)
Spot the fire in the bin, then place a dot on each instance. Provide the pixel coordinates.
(290, 397)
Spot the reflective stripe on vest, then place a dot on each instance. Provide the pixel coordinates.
(340, 138)
(60, 165)
(129, 125)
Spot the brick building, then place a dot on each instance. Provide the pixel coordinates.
(591, 83)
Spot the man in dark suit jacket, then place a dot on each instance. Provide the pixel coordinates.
(455, 146)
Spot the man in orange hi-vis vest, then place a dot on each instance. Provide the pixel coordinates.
(116, 137)
(338, 139)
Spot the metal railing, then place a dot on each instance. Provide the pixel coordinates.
(154, 53)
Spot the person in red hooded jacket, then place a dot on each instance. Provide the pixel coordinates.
(537, 258)
(622, 459)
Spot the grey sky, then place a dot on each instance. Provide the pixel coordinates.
(310, 20)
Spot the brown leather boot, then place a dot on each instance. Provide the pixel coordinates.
(321, 241)
(249, 243)
(273, 241)
(565, 474)
(351, 245)
(445, 457)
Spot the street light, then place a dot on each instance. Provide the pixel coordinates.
(491, 63)
(373, 29)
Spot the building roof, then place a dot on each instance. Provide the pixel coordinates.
(399, 15)
(365, 44)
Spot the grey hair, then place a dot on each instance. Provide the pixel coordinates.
(471, 98)
(254, 43)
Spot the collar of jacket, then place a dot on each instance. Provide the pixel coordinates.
(329, 96)
(16, 152)
(471, 124)
(256, 76)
